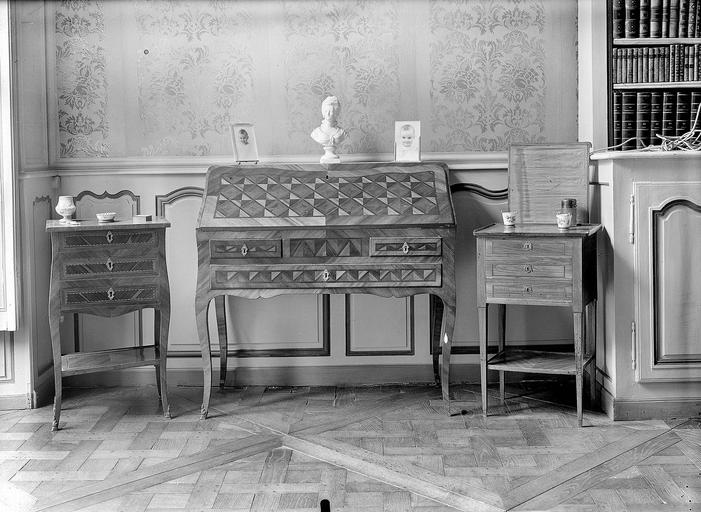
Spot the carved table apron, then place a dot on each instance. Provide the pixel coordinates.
(385, 229)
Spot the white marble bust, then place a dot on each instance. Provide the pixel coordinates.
(329, 134)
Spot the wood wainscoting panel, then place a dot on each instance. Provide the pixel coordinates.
(377, 326)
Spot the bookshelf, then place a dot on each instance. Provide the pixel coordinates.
(654, 70)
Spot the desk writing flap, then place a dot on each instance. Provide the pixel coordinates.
(312, 195)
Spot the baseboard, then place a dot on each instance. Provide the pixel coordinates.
(655, 409)
(13, 402)
(282, 376)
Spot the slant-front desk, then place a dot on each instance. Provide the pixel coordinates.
(385, 229)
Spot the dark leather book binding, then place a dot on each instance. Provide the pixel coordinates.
(628, 125)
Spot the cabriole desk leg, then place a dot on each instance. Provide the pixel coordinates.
(201, 307)
(162, 324)
(482, 317)
(447, 327)
(578, 358)
(501, 313)
(220, 309)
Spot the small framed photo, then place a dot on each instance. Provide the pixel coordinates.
(243, 138)
(407, 141)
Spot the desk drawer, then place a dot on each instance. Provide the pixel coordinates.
(405, 246)
(325, 276)
(556, 291)
(245, 248)
(140, 240)
(527, 247)
(532, 267)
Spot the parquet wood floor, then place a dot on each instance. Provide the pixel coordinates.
(374, 449)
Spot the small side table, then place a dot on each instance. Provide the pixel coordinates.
(109, 269)
(538, 264)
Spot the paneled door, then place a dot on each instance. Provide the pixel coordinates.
(668, 287)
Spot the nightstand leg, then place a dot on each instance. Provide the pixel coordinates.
(162, 320)
(578, 355)
(591, 339)
(501, 313)
(201, 307)
(482, 317)
(54, 327)
(220, 309)
(447, 326)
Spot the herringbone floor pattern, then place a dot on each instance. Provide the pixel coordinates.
(375, 449)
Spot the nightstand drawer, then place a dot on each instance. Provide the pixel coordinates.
(108, 238)
(245, 248)
(533, 267)
(537, 247)
(556, 291)
(405, 246)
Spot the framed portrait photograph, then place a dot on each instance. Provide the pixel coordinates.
(243, 138)
(407, 141)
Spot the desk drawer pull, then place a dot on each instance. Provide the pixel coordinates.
(528, 268)
(405, 248)
(110, 237)
(528, 289)
(527, 246)
(325, 275)
(110, 294)
(109, 264)
(244, 249)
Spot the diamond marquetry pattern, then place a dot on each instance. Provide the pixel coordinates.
(238, 278)
(98, 238)
(431, 247)
(128, 267)
(142, 294)
(246, 249)
(310, 196)
(305, 248)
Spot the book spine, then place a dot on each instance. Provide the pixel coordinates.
(697, 26)
(687, 63)
(669, 108)
(629, 65)
(673, 18)
(617, 117)
(632, 23)
(691, 24)
(694, 122)
(697, 62)
(683, 112)
(644, 19)
(642, 119)
(646, 65)
(667, 66)
(655, 116)
(618, 15)
(638, 68)
(665, 18)
(628, 103)
(655, 18)
(683, 18)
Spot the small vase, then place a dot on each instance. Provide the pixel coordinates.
(65, 207)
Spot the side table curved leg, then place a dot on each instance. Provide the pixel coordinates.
(163, 320)
(54, 326)
(220, 308)
(201, 307)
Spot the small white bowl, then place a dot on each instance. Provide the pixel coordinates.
(106, 216)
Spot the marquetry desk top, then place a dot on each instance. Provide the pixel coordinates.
(386, 229)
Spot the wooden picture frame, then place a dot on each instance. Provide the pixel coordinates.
(407, 141)
(243, 140)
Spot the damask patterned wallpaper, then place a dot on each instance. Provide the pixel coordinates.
(165, 78)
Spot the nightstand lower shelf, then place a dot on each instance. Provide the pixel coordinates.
(536, 361)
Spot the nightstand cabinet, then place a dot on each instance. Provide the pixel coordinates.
(108, 269)
(537, 264)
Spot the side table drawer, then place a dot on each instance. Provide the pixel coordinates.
(533, 267)
(109, 265)
(556, 291)
(405, 246)
(245, 248)
(501, 248)
(108, 238)
(105, 293)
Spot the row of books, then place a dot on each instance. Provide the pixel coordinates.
(640, 116)
(671, 63)
(656, 18)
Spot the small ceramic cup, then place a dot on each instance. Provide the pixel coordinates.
(509, 218)
(564, 220)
